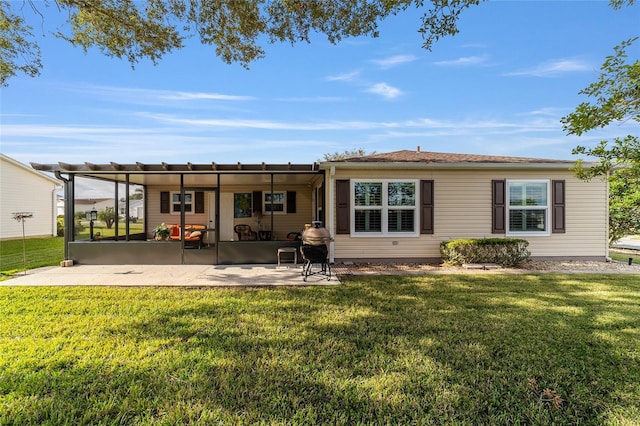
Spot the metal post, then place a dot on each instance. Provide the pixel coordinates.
(21, 217)
(24, 249)
(126, 207)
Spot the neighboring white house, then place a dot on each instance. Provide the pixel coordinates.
(85, 205)
(23, 189)
(136, 209)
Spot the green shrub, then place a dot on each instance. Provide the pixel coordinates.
(60, 226)
(503, 251)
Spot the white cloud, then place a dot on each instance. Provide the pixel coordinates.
(349, 76)
(311, 99)
(189, 96)
(394, 61)
(463, 61)
(384, 90)
(553, 68)
(138, 95)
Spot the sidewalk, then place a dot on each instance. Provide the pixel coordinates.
(632, 243)
(169, 276)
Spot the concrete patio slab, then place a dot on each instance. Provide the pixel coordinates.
(169, 276)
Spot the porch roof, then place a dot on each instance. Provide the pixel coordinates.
(440, 160)
(169, 174)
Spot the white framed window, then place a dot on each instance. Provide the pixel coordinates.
(276, 199)
(188, 202)
(384, 207)
(528, 207)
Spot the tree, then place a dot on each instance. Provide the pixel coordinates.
(617, 99)
(138, 194)
(150, 29)
(108, 216)
(347, 153)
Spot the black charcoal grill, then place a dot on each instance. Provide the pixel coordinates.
(315, 251)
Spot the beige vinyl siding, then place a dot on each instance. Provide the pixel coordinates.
(155, 218)
(283, 223)
(25, 190)
(462, 200)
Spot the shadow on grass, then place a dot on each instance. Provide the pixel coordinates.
(433, 349)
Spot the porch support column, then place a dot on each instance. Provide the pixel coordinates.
(116, 213)
(217, 218)
(271, 226)
(182, 216)
(329, 210)
(126, 207)
(69, 212)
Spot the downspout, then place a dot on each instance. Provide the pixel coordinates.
(54, 210)
(68, 211)
(330, 211)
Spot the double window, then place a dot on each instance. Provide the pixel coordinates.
(528, 207)
(188, 202)
(274, 201)
(384, 207)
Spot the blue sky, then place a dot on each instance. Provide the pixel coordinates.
(499, 87)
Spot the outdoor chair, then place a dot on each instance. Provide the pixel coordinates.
(245, 233)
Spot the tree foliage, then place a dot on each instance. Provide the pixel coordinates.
(149, 29)
(18, 53)
(616, 97)
(108, 216)
(347, 153)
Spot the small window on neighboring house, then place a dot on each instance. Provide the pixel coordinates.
(188, 202)
(528, 207)
(386, 207)
(276, 201)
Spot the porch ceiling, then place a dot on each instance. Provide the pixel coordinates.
(204, 179)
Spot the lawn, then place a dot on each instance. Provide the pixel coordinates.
(433, 349)
(101, 228)
(39, 252)
(624, 255)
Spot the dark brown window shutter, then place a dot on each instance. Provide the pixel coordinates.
(257, 202)
(499, 206)
(291, 201)
(558, 207)
(343, 207)
(426, 204)
(165, 202)
(199, 198)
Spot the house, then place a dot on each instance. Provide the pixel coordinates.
(23, 189)
(136, 209)
(401, 205)
(85, 205)
(396, 206)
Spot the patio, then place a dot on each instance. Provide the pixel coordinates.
(170, 276)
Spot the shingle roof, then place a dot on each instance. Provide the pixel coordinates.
(407, 156)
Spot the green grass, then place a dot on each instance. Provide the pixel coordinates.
(624, 256)
(436, 349)
(134, 228)
(39, 252)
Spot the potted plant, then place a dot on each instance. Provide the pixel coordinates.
(161, 232)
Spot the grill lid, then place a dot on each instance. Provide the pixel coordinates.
(316, 234)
